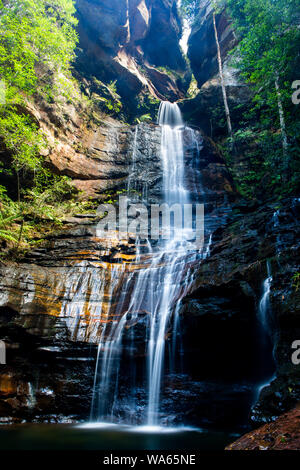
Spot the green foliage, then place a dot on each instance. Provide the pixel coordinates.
(112, 105)
(37, 39)
(106, 97)
(112, 198)
(41, 210)
(144, 118)
(9, 215)
(22, 138)
(261, 152)
(112, 86)
(269, 42)
(193, 88)
(189, 9)
(37, 46)
(6, 233)
(268, 51)
(166, 70)
(35, 33)
(147, 108)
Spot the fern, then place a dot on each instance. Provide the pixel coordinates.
(7, 233)
(8, 236)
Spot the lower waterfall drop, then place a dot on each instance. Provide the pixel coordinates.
(267, 364)
(263, 309)
(159, 278)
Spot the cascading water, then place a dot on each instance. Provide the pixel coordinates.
(172, 154)
(267, 365)
(263, 309)
(159, 278)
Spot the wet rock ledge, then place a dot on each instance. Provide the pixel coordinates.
(282, 434)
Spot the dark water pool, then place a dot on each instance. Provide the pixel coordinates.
(109, 437)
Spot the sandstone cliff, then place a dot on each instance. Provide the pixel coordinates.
(123, 41)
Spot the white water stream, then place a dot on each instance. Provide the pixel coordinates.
(154, 290)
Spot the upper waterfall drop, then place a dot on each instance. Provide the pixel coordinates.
(169, 114)
(172, 154)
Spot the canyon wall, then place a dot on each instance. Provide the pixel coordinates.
(135, 43)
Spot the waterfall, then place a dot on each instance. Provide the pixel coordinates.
(156, 281)
(207, 250)
(169, 114)
(263, 309)
(172, 154)
(265, 339)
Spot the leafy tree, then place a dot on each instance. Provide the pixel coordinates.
(189, 9)
(37, 47)
(23, 140)
(37, 38)
(269, 44)
(35, 33)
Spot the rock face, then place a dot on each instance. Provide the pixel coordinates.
(106, 163)
(227, 292)
(71, 253)
(282, 434)
(206, 110)
(94, 151)
(55, 302)
(122, 40)
(240, 251)
(283, 392)
(51, 302)
(202, 50)
(100, 158)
